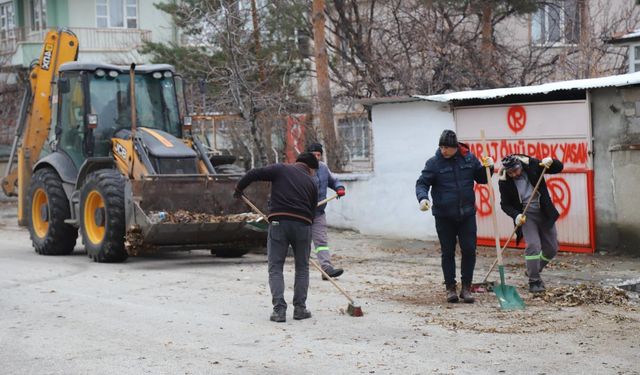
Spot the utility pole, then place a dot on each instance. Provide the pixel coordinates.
(487, 42)
(325, 103)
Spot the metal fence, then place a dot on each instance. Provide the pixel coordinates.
(230, 134)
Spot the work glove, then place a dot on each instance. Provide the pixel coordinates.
(487, 162)
(520, 220)
(237, 193)
(340, 192)
(425, 205)
(546, 162)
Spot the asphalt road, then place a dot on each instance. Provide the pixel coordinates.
(192, 313)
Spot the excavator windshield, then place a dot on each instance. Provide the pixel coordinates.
(156, 104)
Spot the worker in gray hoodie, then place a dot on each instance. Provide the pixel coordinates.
(324, 179)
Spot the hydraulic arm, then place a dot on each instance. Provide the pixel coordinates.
(60, 46)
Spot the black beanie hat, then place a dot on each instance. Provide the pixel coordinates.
(309, 159)
(448, 138)
(315, 147)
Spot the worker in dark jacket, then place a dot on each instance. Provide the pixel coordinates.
(450, 175)
(294, 197)
(517, 179)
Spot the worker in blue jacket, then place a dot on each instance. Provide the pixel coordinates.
(450, 176)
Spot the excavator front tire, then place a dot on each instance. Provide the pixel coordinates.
(47, 209)
(102, 218)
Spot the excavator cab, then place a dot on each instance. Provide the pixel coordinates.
(102, 93)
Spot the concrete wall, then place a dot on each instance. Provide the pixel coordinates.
(58, 13)
(82, 14)
(616, 126)
(159, 22)
(384, 202)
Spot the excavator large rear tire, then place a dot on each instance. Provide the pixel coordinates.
(47, 209)
(102, 218)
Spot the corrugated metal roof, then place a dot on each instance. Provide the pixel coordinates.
(580, 84)
(387, 100)
(626, 37)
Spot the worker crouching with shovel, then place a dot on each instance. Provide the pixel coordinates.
(517, 182)
(450, 176)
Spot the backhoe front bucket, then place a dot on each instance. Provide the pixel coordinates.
(191, 212)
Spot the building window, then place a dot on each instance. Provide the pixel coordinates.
(556, 22)
(634, 57)
(117, 14)
(38, 10)
(7, 26)
(355, 138)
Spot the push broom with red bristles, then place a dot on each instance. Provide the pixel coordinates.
(353, 309)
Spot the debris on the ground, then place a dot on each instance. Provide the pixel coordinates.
(133, 241)
(584, 294)
(631, 285)
(188, 217)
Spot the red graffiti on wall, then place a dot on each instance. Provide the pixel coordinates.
(575, 153)
(516, 118)
(483, 206)
(560, 193)
(295, 137)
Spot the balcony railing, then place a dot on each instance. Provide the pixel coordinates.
(91, 39)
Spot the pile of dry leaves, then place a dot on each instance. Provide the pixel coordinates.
(188, 217)
(584, 294)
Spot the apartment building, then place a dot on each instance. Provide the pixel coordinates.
(108, 30)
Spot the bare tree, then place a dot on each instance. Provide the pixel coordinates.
(403, 47)
(245, 60)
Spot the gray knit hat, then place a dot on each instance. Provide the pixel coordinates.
(448, 138)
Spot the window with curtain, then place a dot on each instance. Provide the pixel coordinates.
(635, 64)
(7, 26)
(117, 14)
(38, 12)
(556, 22)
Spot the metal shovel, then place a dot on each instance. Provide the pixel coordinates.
(507, 294)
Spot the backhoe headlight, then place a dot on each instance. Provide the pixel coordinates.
(100, 73)
(168, 74)
(113, 74)
(157, 75)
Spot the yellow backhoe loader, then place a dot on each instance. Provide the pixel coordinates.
(108, 150)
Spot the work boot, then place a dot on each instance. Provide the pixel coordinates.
(333, 272)
(300, 313)
(279, 315)
(536, 286)
(466, 295)
(452, 294)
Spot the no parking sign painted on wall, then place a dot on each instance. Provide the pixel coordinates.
(561, 130)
